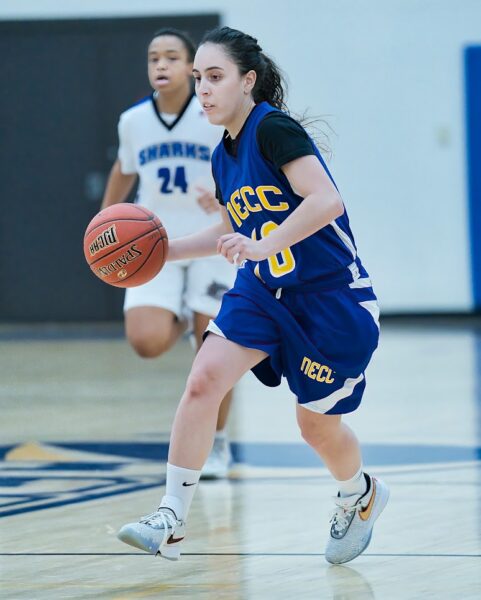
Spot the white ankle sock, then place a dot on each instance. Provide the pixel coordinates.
(220, 434)
(356, 485)
(180, 488)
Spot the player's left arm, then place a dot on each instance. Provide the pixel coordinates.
(321, 205)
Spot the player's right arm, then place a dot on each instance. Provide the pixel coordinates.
(119, 185)
(202, 243)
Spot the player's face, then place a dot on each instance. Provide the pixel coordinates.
(168, 64)
(222, 91)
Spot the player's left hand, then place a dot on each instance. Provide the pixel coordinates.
(237, 248)
(206, 199)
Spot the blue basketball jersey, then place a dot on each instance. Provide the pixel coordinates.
(258, 198)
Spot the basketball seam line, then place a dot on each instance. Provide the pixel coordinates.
(156, 228)
(123, 219)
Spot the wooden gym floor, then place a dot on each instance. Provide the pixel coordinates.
(84, 430)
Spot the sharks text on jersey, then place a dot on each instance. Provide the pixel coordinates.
(173, 150)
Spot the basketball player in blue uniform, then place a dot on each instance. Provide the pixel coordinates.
(302, 305)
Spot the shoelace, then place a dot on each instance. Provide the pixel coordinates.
(161, 520)
(341, 516)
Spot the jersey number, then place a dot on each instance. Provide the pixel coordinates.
(179, 179)
(287, 262)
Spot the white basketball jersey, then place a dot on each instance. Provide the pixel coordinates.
(170, 159)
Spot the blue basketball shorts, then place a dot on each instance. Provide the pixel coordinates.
(320, 341)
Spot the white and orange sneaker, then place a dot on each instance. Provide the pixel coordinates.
(353, 520)
(161, 533)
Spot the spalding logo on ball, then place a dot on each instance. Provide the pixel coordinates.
(126, 245)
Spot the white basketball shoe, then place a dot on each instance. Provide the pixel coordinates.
(219, 460)
(158, 533)
(353, 520)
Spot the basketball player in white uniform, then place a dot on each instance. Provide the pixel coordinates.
(166, 142)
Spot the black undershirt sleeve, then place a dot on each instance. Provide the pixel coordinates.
(281, 139)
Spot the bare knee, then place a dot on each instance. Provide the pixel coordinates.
(147, 345)
(318, 430)
(203, 386)
(150, 330)
(314, 436)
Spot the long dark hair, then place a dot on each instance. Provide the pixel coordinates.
(270, 85)
(244, 50)
(183, 36)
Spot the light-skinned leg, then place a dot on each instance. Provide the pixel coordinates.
(200, 325)
(209, 381)
(333, 441)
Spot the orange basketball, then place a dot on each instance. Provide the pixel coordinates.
(125, 245)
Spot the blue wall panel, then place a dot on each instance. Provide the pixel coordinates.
(472, 61)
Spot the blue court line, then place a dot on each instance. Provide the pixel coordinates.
(293, 454)
(19, 505)
(301, 455)
(79, 499)
(266, 454)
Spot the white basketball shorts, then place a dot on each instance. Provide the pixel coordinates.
(196, 284)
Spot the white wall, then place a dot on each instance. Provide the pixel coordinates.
(389, 76)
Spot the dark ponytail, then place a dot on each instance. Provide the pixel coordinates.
(270, 84)
(244, 50)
